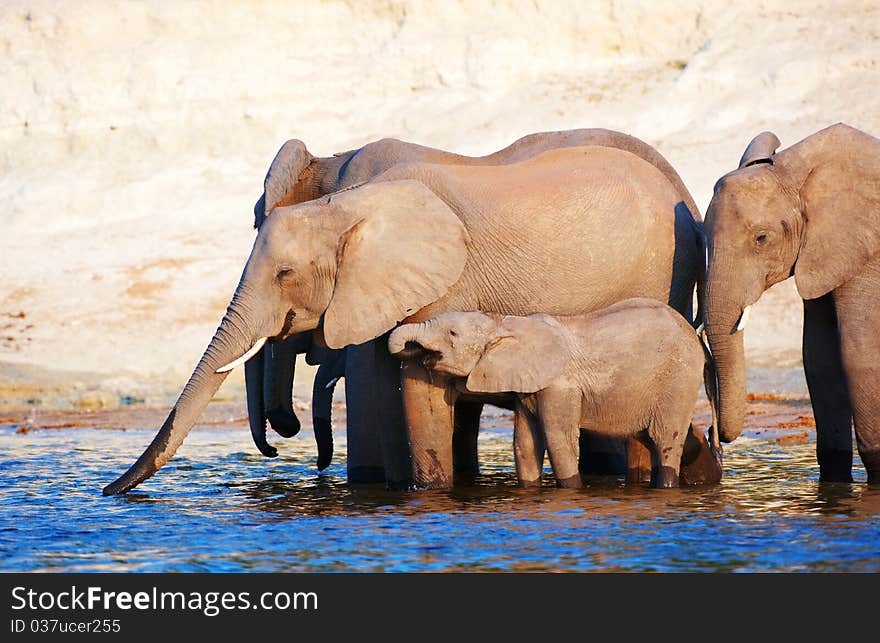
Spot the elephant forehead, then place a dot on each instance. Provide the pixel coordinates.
(745, 197)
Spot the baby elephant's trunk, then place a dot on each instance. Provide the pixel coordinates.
(406, 342)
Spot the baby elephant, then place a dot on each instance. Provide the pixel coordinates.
(634, 366)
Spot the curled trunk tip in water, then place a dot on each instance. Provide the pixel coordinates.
(199, 390)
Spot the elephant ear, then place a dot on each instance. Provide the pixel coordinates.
(762, 147)
(289, 163)
(403, 251)
(524, 356)
(841, 227)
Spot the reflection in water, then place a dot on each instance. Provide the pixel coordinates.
(219, 507)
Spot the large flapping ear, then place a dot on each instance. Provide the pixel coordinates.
(403, 251)
(525, 355)
(289, 162)
(762, 147)
(841, 225)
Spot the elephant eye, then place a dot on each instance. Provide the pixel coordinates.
(285, 276)
(453, 333)
(761, 238)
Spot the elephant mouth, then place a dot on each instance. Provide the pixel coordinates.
(287, 329)
(411, 350)
(431, 359)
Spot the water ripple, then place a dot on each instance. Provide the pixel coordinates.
(219, 507)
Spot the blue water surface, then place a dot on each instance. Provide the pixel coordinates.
(218, 506)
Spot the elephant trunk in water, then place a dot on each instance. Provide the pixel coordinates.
(726, 342)
(253, 377)
(326, 378)
(234, 339)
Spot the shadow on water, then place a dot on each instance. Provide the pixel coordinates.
(219, 507)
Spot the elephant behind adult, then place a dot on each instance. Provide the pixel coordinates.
(296, 176)
(568, 231)
(811, 211)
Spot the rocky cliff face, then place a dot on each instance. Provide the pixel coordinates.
(134, 137)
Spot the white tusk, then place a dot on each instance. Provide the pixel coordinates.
(743, 319)
(241, 360)
(701, 328)
(332, 382)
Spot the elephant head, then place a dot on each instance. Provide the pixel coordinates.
(269, 374)
(808, 212)
(496, 354)
(354, 263)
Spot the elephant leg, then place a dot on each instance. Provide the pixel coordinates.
(464, 437)
(668, 446)
(826, 382)
(698, 464)
(559, 411)
(601, 454)
(376, 434)
(858, 315)
(639, 458)
(528, 447)
(428, 404)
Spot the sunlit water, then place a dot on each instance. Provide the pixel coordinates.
(219, 506)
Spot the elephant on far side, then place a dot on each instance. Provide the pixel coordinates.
(811, 211)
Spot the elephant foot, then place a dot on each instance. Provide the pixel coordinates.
(871, 460)
(465, 478)
(284, 423)
(638, 475)
(572, 482)
(664, 478)
(699, 463)
(366, 475)
(835, 465)
(530, 484)
(401, 485)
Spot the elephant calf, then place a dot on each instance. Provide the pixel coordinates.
(634, 366)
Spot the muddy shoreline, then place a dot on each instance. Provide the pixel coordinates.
(784, 418)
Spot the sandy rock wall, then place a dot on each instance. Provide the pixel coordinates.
(134, 137)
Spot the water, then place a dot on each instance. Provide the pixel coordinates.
(218, 506)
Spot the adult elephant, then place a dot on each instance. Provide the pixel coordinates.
(568, 231)
(296, 176)
(811, 211)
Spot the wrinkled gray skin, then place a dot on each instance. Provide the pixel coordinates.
(632, 368)
(544, 234)
(296, 176)
(811, 211)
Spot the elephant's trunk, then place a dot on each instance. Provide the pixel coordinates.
(406, 342)
(278, 374)
(230, 342)
(253, 379)
(324, 385)
(726, 344)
